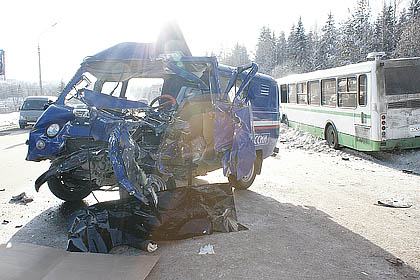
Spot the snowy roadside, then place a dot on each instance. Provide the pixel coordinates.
(9, 120)
(407, 160)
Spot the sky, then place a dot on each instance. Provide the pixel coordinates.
(68, 31)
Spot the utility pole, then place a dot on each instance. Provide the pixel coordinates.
(39, 57)
(39, 64)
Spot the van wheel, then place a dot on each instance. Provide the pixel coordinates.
(69, 189)
(246, 181)
(331, 136)
(21, 126)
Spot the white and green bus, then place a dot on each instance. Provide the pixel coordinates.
(368, 106)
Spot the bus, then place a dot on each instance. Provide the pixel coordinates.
(368, 106)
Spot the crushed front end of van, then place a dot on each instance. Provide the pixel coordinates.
(142, 117)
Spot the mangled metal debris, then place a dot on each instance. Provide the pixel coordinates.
(181, 213)
(21, 198)
(142, 116)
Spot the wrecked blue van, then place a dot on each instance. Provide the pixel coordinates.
(147, 117)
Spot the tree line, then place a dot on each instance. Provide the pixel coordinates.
(397, 33)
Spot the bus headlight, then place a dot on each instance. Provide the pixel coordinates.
(53, 130)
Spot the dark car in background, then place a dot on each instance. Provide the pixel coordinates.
(32, 108)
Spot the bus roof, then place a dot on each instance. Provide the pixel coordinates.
(363, 67)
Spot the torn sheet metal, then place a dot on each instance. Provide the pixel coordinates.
(182, 213)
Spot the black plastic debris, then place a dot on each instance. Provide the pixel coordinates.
(408, 171)
(181, 213)
(21, 199)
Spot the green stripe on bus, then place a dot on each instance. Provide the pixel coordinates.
(361, 144)
(329, 112)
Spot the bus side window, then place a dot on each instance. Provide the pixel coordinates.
(314, 92)
(347, 92)
(362, 90)
(328, 92)
(292, 93)
(301, 93)
(283, 93)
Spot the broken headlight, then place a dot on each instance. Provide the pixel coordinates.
(53, 130)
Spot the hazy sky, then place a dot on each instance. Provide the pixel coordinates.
(86, 27)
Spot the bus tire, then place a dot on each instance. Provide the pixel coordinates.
(285, 120)
(331, 136)
(246, 181)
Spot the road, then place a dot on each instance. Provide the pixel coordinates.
(311, 215)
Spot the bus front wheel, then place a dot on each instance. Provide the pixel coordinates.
(331, 136)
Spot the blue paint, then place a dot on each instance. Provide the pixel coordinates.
(108, 120)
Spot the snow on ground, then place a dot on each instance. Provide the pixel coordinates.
(292, 138)
(9, 120)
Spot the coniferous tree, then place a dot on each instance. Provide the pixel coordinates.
(297, 49)
(414, 9)
(409, 25)
(281, 49)
(329, 52)
(356, 38)
(236, 57)
(386, 35)
(409, 43)
(315, 61)
(265, 54)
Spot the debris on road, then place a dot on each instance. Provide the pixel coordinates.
(207, 250)
(21, 199)
(2, 190)
(5, 222)
(396, 261)
(408, 171)
(345, 158)
(394, 203)
(181, 213)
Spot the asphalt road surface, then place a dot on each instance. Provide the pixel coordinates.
(310, 216)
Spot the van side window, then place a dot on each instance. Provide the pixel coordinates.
(301, 93)
(292, 93)
(347, 92)
(328, 92)
(314, 92)
(362, 90)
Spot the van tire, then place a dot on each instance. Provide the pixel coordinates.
(331, 136)
(62, 188)
(246, 181)
(21, 126)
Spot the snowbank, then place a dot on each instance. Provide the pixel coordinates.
(291, 138)
(9, 120)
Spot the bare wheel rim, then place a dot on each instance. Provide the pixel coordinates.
(331, 136)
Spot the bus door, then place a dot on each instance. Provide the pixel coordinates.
(362, 114)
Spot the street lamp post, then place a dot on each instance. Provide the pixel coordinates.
(39, 57)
